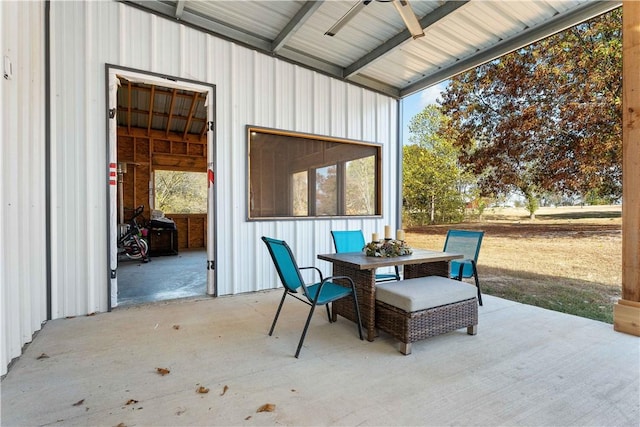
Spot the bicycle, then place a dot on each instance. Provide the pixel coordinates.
(131, 242)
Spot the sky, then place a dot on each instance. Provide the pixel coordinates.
(413, 104)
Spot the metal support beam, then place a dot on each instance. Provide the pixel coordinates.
(403, 36)
(188, 18)
(550, 27)
(179, 8)
(253, 42)
(296, 22)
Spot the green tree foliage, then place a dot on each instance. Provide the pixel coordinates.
(181, 192)
(360, 186)
(359, 194)
(546, 118)
(301, 193)
(327, 191)
(432, 179)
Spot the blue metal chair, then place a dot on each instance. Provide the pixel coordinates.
(467, 243)
(353, 241)
(321, 293)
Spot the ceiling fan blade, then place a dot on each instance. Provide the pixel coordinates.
(409, 17)
(347, 17)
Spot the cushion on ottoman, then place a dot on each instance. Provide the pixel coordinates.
(424, 292)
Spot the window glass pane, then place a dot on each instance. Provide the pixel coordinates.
(360, 187)
(326, 191)
(301, 194)
(301, 175)
(180, 192)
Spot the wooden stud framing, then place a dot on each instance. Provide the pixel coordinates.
(150, 118)
(194, 101)
(173, 103)
(144, 151)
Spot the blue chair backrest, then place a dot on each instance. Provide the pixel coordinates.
(464, 242)
(285, 263)
(348, 241)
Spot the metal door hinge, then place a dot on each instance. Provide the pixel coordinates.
(112, 113)
(211, 126)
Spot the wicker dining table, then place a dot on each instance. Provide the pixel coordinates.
(361, 268)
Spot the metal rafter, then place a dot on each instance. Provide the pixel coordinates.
(356, 72)
(296, 22)
(404, 35)
(552, 26)
(179, 8)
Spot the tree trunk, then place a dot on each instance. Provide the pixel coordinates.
(433, 208)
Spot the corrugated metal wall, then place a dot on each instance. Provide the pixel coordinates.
(251, 89)
(22, 178)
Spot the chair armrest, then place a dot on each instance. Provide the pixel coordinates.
(313, 268)
(330, 279)
(462, 263)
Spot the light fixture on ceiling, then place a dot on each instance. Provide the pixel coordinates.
(346, 18)
(402, 6)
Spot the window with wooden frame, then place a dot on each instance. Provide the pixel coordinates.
(298, 175)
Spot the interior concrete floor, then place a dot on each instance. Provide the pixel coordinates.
(163, 278)
(526, 366)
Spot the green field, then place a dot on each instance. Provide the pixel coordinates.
(568, 259)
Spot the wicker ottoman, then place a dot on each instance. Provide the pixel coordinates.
(414, 309)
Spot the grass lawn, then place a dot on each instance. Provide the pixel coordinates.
(568, 259)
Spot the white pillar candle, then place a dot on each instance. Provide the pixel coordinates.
(387, 231)
(374, 237)
(400, 235)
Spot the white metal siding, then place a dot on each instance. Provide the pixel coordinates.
(22, 179)
(251, 88)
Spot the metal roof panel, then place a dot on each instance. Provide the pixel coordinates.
(374, 48)
(262, 18)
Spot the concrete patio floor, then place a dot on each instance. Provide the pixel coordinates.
(527, 366)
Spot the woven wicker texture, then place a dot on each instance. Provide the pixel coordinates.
(411, 271)
(412, 327)
(365, 282)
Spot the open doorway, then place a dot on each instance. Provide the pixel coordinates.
(161, 154)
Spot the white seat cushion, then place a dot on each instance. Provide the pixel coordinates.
(424, 292)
